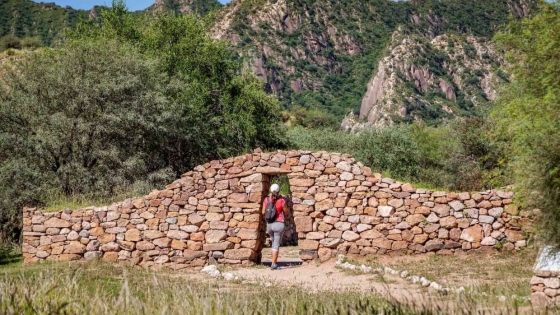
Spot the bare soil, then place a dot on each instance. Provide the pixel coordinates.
(494, 278)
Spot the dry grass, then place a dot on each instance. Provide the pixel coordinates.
(99, 288)
(95, 288)
(499, 273)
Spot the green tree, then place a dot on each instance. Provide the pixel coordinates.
(392, 150)
(529, 109)
(122, 102)
(76, 120)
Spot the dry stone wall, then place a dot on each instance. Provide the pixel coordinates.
(213, 213)
(545, 283)
(545, 287)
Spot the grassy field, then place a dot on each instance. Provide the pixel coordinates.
(100, 288)
(97, 288)
(504, 273)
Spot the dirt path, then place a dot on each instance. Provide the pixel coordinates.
(327, 277)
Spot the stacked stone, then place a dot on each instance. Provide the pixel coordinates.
(545, 286)
(213, 211)
(339, 206)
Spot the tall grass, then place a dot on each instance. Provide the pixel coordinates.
(95, 288)
(104, 289)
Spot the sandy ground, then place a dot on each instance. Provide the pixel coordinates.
(327, 277)
(316, 277)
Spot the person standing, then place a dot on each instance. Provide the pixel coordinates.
(275, 227)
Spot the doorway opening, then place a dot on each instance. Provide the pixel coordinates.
(289, 252)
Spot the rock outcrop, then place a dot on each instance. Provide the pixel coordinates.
(421, 60)
(448, 76)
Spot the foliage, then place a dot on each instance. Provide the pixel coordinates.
(122, 104)
(311, 118)
(200, 7)
(327, 139)
(283, 182)
(48, 21)
(25, 18)
(77, 120)
(527, 117)
(389, 149)
(10, 42)
(31, 43)
(458, 155)
(10, 253)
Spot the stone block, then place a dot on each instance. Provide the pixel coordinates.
(240, 254)
(472, 234)
(308, 245)
(215, 236)
(303, 224)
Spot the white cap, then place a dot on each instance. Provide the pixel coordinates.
(274, 188)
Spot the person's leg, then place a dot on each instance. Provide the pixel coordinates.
(270, 233)
(277, 229)
(274, 256)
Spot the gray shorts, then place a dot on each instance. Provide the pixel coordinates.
(275, 230)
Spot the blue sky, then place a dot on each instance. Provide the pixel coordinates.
(88, 4)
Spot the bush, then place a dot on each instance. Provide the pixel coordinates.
(391, 150)
(326, 139)
(10, 42)
(312, 118)
(31, 43)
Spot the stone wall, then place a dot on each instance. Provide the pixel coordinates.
(545, 283)
(545, 287)
(339, 206)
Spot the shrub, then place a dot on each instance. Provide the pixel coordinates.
(391, 150)
(312, 118)
(327, 139)
(10, 42)
(31, 43)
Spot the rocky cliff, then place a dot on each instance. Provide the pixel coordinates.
(430, 80)
(386, 61)
(381, 61)
(201, 7)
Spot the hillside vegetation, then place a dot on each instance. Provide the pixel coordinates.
(322, 54)
(385, 61)
(48, 21)
(25, 18)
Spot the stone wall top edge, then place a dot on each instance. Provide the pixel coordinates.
(196, 172)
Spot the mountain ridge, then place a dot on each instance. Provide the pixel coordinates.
(342, 57)
(323, 54)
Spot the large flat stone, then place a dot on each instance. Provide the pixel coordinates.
(548, 260)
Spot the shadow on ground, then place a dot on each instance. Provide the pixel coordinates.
(7, 258)
(283, 263)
